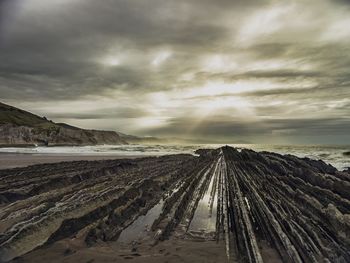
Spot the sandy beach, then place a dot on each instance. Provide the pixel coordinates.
(13, 160)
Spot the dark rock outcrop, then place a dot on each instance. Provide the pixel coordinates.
(297, 207)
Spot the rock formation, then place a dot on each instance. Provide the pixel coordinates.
(21, 128)
(248, 201)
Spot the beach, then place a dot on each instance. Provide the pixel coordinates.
(13, 160)
(10, 157)
(214, 205)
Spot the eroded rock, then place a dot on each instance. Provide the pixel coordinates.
(298, 207)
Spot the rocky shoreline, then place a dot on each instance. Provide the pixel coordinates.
(255, 205)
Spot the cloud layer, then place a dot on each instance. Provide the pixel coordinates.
(263, 71)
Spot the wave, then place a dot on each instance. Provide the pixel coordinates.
(338, 156)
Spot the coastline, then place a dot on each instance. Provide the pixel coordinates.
(14, 160)
(336, 155)
(173, 207)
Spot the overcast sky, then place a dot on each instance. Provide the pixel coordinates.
(221, 70)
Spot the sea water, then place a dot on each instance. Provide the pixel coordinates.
(338, 156)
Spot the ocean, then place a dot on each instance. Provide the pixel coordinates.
(338, 156)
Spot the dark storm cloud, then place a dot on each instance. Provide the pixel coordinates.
(254, 131)
(62, 44)
(291, 93)
(103, 113)
(283, 74)
(153, 60)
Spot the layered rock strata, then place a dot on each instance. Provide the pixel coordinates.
(248, 201)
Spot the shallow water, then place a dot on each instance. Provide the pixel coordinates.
(204, 218)
(335, 155)
(141, 226)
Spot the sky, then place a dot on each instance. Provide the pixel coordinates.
(229, 71)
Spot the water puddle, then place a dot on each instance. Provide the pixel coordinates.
(268, 253)
(140, 228)
(204, 219)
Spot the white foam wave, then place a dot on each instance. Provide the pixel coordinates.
(330, 154)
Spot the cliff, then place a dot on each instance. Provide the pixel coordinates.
(21, 128)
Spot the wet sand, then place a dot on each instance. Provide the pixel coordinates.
(12, 160)
(171, 251)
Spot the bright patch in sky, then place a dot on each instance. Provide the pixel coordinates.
(112, 61)
(160, 57)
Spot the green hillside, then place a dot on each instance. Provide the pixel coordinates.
(12, 115)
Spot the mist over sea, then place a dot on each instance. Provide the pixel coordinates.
(338, 156)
